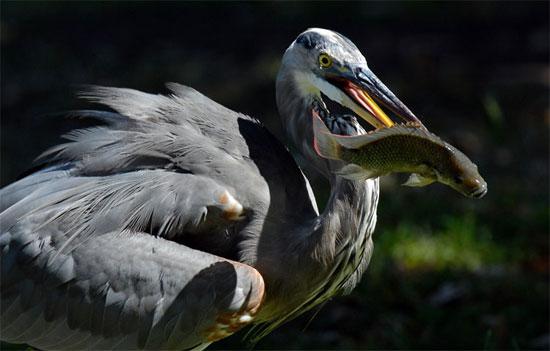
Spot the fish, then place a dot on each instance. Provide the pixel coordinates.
(401, 148)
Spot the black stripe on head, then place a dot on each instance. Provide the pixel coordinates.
(309, 40)
(314, 40)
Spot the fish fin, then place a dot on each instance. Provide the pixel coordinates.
(416, 180)
(323, 141)
(355, 172)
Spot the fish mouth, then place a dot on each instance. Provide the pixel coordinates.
(479, 193)
(359, 90)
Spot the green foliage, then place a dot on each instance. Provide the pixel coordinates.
(461, 243)
(493, 110)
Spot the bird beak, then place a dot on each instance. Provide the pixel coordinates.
(365, 89)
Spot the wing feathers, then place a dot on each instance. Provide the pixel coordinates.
(163, 203)
(198, 288)
(78, 258)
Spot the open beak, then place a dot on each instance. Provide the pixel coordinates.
(365, 89)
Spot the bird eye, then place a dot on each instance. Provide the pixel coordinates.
(325, 61)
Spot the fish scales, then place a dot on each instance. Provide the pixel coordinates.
(399, 153)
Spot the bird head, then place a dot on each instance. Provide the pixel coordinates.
(324, 65)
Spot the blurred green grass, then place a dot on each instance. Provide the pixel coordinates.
(460, 243)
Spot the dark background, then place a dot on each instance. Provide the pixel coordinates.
(447, 272)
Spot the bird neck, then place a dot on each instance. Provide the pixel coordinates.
(294, 102)
(327, 253)
(346, 223)
(350, 213)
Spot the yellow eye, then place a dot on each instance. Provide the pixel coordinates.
(325, 61)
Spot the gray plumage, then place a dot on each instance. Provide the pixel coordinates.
(178, 221)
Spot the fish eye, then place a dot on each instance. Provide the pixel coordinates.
(325, 60)
(458, 179)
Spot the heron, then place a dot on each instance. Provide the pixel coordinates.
(175, 222)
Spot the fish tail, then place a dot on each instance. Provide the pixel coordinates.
(324, 143)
